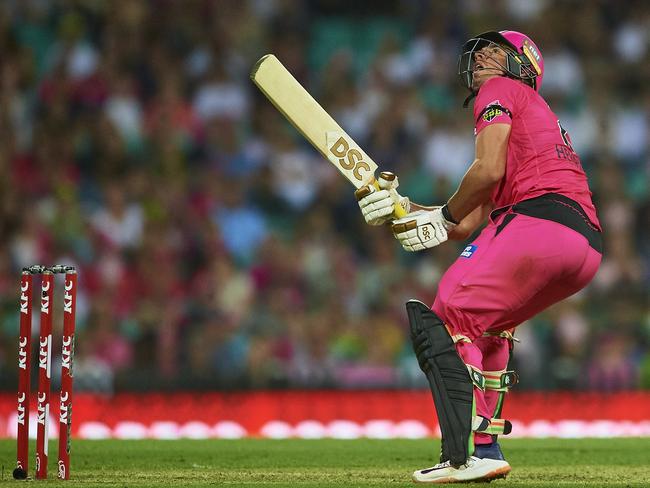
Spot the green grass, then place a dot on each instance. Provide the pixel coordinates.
(332, 463)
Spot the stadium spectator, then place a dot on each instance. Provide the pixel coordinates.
(215, 248)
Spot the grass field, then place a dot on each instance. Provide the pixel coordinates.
(333, 463)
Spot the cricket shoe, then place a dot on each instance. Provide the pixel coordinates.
(475, 469)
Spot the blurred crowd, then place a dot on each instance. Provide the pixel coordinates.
(216, 249)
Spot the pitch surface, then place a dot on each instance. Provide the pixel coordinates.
(332, 463)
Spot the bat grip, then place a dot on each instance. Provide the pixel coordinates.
(399, 211)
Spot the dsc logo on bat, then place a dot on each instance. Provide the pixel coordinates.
(349, 159)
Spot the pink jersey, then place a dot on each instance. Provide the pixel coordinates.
(540, 156)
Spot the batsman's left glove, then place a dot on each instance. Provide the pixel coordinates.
(381, 203)
(423, 229)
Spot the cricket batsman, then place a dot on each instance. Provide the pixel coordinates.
(542, 243)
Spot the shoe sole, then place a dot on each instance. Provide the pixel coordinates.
(486, 478)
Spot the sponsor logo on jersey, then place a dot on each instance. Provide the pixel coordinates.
(492, 113)
(468, 251)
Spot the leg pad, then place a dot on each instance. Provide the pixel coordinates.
(449, 379)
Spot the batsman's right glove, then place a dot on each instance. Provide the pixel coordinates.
(423, 229)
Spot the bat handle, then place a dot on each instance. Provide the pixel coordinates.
(399, 211)
(387, 180)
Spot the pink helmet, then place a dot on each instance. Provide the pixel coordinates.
(524, 59)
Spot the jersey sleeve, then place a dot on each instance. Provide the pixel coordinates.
(496, 102)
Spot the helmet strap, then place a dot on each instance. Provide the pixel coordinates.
(469, 99)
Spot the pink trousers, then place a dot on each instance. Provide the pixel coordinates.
(504, 278)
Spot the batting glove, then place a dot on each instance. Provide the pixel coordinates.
(422, 230)
(378, 205)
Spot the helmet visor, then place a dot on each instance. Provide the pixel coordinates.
(467, 60)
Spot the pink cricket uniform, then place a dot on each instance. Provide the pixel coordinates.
(541, 244)
(540, 156)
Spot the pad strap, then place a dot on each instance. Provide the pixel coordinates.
(477, 376)
(457, 337)
(500, 380)
(492, 426)
(474, 373)
(506, 334)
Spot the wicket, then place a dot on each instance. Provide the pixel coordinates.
(44, 370)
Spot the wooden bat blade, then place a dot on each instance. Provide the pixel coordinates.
(312, 121)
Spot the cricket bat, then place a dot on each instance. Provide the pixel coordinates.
(316, 125)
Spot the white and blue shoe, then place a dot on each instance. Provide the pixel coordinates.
(475, 469)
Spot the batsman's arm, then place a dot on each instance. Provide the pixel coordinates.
(469, 224)
(484, 174)
(428, 227)
(471, 204)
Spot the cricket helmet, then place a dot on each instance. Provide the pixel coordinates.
(523, 58)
